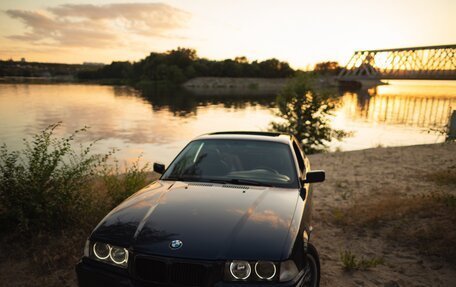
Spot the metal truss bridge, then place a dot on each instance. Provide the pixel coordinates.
(415, 63)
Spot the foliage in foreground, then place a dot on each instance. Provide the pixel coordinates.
(120, 184)
(350, 262)
(427, 222)
(57, 194)
(306, 111)
(50, 185)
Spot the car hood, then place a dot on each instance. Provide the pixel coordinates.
(213, 221)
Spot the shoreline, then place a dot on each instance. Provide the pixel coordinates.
(217, 86)
(199, 86)
(57, 80)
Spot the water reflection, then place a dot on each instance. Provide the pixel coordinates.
(422, 111)
(401, 113)
(159, 125)
(183, 103)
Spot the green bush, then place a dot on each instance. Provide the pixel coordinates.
(350, 262)
(46, 185)
(120, 184)
(306, 112)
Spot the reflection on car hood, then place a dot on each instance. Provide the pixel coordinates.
(213, 221)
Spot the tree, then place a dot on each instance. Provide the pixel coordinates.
(241, 60)
(274, 68)
(327, 68)
(305, 111)
(116, 70)
(181, 57)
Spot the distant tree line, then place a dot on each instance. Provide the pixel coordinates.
(177, 66)
(327, 68)
(35, 69)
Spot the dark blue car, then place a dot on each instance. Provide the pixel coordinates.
(233, 209)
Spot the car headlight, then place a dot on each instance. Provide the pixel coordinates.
(265, 270)
(288, 271)
(114, 255)
(101, 250)
(241, 270)
(118, 255)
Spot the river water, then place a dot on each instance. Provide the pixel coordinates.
(158, 126)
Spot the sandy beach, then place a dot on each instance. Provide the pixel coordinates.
(368, 177)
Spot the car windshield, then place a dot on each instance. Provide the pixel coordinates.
(246, 162)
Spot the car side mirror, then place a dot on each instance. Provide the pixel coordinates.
(159, 168)
(315, 176)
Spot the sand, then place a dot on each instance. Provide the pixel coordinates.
(368, 174)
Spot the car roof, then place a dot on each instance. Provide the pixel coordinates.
(249, 135)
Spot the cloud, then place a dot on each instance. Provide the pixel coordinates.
(75, 25)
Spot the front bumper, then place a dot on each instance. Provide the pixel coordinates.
(93, 274)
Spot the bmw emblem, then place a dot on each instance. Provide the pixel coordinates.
(175, 244)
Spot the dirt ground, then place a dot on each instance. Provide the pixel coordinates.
(353, 179)
(367, 176)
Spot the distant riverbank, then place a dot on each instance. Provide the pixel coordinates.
(170, 69)
(58, 80)
(218, 86)
(200, 86)
(37, 80)
(204, 86)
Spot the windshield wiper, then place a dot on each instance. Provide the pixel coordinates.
(182, 178)
(240, 181)
(248, 181)
(220, 180)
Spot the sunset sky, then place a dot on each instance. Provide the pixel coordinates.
(299, 32)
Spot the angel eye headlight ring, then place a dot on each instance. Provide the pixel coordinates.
(101, 250)
(265, 270)
(240, 270)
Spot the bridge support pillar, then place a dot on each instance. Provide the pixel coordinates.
(452, 127)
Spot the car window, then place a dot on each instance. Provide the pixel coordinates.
(263, 162)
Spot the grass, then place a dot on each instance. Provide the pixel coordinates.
(444, 176)
(427, 223)
(51, 196)
(350, 262)
(364, 213)
(121, 183)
